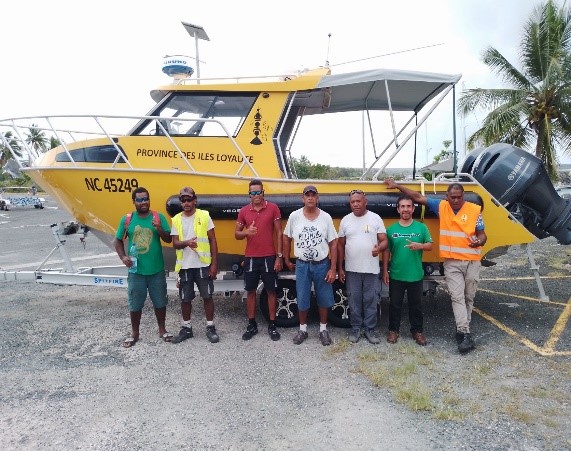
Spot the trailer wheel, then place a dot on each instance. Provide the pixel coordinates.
(286, 297)
(339, 313)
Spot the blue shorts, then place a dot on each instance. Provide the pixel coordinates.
(138, 285)
(307, 273)
(260, 267)
(198, 276)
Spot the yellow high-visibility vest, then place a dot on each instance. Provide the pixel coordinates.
(201, 220)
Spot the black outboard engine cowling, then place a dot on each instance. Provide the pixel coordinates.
(519, 181)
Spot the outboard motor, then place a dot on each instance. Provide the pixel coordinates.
(519, 181)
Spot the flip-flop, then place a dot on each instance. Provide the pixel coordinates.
(130, 342)
(167, 337)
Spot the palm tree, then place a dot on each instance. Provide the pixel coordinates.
(535, 113)
(54, 142)
(37, 139)
(5, 153)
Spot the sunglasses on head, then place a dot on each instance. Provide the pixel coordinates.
(356, 191)
(187, 199)
(141, 199)
(256, 193)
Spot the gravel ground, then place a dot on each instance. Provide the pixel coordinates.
(68, 384)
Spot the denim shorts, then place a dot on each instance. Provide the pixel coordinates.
(198, 276)
(307, 273)
(138, 285)
(260, 267)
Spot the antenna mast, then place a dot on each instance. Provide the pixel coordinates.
(328, 46)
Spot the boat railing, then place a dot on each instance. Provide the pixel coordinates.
(237, 80)
(31, 137)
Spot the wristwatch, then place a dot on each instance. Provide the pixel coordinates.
(279, 255)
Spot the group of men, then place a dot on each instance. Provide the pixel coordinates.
(353, 255)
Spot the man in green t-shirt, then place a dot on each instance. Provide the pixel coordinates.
(145, 229)
(407, 240)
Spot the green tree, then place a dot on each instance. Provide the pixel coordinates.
(36, 138)
(445, 153)
(307, 170)
(54, 142)
(11, 141)
(535, 112)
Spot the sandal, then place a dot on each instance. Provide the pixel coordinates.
(167, 337)
(130, 342)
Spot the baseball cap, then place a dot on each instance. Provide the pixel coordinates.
(186, 191)
(309, 188)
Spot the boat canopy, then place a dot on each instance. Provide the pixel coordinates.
(384, 89)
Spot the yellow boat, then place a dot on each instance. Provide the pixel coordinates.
(215, 135)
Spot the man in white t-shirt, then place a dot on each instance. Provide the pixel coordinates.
(315, 248)
(362, 238)
(196, 262)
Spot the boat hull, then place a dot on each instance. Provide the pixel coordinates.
(99, 198)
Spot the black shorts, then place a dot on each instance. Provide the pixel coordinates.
(198, 276)
(260, 267)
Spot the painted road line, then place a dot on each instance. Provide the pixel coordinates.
(548, 349)
(525, 298)
(503, 279)
(559, 327)
(75, 259)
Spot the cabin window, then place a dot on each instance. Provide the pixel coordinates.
(94, 154)
(199, 114)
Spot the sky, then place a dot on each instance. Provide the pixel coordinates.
(104, 57)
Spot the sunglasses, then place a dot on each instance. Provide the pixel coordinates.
(140, 200)
(256, 193)
(356, 191)
(184, 200)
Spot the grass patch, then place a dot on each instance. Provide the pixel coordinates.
(339, 347)
(550, 422)
(415, 396)
(517, 413)
(448, 413)
(538, 392)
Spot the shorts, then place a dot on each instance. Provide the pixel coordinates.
(138, 285)
(307, 273)
(198, 276)
(260, 267)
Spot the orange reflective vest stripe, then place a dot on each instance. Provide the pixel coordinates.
(456, 229)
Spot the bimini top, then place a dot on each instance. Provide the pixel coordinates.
(408, 90)
(318, 92)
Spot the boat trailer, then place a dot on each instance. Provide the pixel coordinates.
(227, 282)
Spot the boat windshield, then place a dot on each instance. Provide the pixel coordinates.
(198, 114)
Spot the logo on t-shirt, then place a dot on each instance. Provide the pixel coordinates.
(404, 235)
(309, 239)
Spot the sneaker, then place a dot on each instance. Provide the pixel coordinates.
(273, 332)
(459, 337)
(184, 334)
(467, 344)
(251, 330)
(355, 336)
(325, 338)
(371, 336)
(419, 338)
(392, 337)
(211, 334)
(299, 337)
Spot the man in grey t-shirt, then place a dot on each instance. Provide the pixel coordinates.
(362, 238)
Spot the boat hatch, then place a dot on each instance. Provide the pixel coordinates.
(92, 154)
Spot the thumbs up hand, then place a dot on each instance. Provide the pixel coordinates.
(252, 230)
